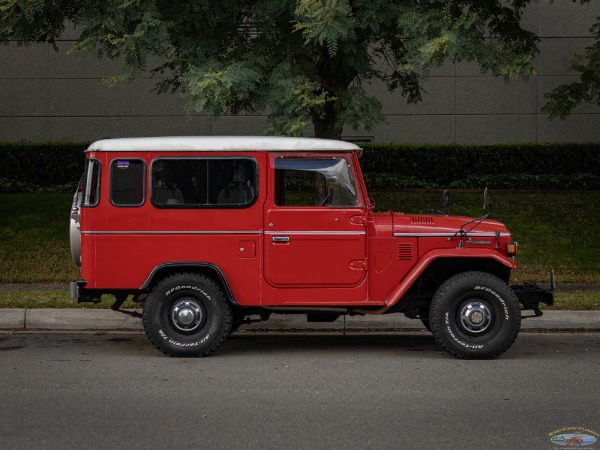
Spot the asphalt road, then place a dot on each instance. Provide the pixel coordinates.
(377, 391)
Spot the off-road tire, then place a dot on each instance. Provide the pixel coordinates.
(475, 315)
(184, 297)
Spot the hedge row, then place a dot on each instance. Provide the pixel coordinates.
(444, 164)
(57, 166)
(41, 164)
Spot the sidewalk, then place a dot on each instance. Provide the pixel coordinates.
(105, 319)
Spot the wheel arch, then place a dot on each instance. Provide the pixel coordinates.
(441, 269)
(203, 268)
(437, 267)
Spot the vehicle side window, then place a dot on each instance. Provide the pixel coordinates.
(326, 182)
(204, 182)
(127, 182)
(91, 183)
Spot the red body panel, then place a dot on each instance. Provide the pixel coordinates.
(272, 255)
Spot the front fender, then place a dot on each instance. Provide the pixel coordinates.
(433, 255)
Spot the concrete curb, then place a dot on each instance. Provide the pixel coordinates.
(106, 319)
(86, 319)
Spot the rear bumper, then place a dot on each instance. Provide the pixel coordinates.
(530, 295)
(78, 291)
(74, 287)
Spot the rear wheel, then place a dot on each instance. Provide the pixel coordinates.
(187, 314)
(475, 315)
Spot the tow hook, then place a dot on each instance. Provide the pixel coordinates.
(530, 295)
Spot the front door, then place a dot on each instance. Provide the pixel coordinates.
(315, 223)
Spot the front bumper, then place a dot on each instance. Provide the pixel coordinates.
(530, 295)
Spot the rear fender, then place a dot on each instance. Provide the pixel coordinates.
(209, 269)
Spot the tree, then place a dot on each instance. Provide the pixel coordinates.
(563, 99)
(305, 61)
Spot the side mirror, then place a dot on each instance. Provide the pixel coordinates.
(445, 202)
(487, 202)
(445, 199)
(371, 203)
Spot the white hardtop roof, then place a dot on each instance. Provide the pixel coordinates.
(221, 143)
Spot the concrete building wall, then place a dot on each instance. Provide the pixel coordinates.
(49, 95)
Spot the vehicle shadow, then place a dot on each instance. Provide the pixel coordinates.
(289, 343)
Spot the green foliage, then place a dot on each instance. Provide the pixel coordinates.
(41, 167)
(304, 61)
(393, 181)
(57, 166)
(526, 166)
(521, 181)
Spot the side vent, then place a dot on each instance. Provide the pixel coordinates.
(405, 252)
(421, 220)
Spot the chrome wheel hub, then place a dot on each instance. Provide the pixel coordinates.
(476, 317)
(186, 315)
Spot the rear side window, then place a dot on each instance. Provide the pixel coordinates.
(204, 182)
(127, 182)
(91, 183)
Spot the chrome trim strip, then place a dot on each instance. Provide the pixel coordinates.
(171, 232)
(457, 234)
(352, 233)
(309, 233)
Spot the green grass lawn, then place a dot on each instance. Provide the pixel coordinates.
(60, 299)
(559, 230)
(555, 229)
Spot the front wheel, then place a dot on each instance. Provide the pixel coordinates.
(475, 315)
(187, 314)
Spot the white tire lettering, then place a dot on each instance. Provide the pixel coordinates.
(455, 338)
(183, 344)
(498, 297)
(192, 288)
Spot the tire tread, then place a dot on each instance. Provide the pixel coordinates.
(210, 284)
(436, 312)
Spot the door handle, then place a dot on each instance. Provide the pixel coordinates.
(280, 239)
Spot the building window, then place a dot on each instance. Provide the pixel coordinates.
(127, 182)
(204, 182)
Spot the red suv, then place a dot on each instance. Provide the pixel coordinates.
(213, 232)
